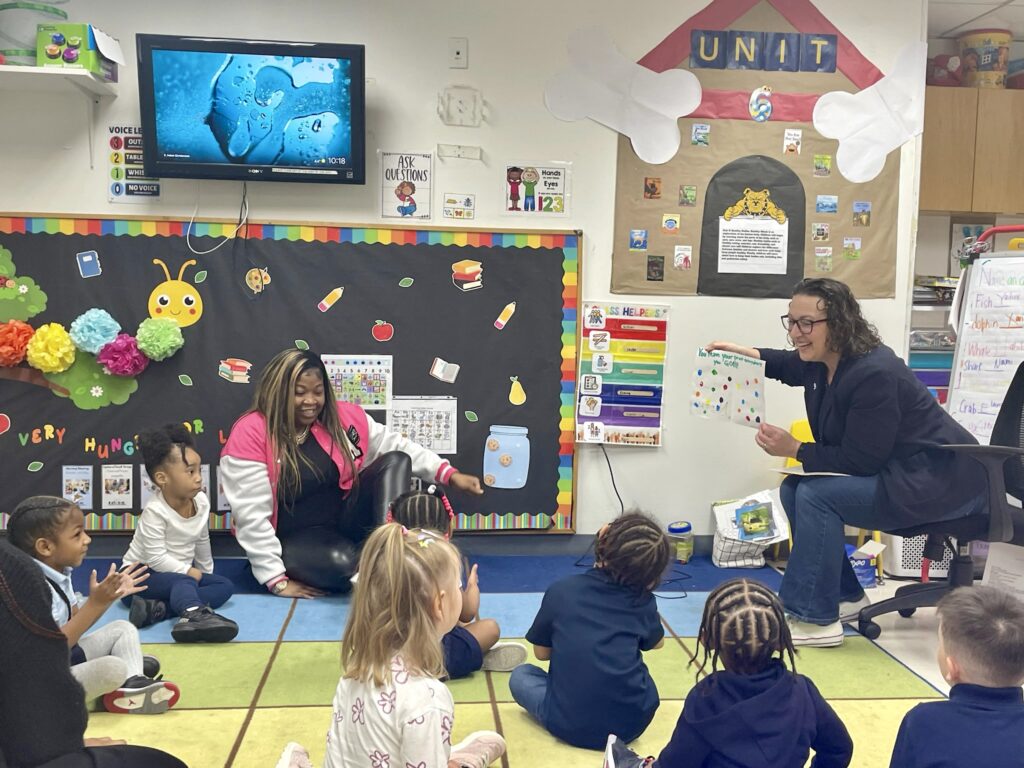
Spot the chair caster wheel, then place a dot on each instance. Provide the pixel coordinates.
(869, 629)
(906, 613)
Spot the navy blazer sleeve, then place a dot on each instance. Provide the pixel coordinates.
(783, 365)
(903, 753)
(869, 435)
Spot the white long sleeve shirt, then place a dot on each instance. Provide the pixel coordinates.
(170, 543)
(404, 723)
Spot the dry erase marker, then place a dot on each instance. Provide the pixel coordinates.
(506, 315)
(328, 301)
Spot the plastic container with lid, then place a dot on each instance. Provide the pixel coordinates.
(681, 533)
(985, 57)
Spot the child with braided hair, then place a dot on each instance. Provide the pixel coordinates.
(594, 627)
(473, 643)
(755, 712)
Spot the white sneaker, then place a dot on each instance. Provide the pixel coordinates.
(815, 635)
(295, 756)
(478, 750)
(848, 612)
(504, 656)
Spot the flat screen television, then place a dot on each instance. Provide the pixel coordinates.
(253, 110)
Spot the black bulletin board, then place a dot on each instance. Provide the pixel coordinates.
(401, 277)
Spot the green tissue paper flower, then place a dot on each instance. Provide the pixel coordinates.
(159, 338)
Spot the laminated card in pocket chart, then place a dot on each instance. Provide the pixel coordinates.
(728, 387)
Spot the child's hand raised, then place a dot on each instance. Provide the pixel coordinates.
(472, 581)
(116, 584)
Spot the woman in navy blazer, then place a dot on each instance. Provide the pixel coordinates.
(872, 420)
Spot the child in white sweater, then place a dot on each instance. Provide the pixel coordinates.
(172, 537)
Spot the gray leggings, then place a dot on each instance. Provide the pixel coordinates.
(112, 655)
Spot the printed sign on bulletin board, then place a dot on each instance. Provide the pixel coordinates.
(622, 374)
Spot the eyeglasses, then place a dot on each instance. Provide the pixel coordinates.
(805, 324)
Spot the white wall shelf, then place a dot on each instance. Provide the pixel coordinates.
(54, 80)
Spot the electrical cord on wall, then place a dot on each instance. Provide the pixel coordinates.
(243, 219)
(677, 574)
(622, 509)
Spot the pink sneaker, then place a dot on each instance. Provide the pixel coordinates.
(294, 756)
(478, 750)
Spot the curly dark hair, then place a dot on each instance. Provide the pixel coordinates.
(849, 333)
(157, 445)
(634, 551)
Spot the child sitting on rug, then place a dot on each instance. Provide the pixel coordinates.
(109, 661)
(593, 627)
(390, 707)
(755, 712)
(472, 644)
(981, 655)
(172, 537)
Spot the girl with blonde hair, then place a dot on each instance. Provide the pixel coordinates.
(390, 708)
(308, 478)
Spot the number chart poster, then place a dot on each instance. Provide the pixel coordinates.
(497, 367)
(622, 374)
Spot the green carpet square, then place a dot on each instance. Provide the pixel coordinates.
(213, 676)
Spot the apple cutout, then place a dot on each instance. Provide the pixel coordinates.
(382, 331)
(5, 423)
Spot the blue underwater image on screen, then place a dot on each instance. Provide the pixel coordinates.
(252, 109)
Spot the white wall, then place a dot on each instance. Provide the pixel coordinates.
(513, 49)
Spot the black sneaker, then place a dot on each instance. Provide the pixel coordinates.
(143, 612)
(150, 666)
(202, 625)
(618, 755)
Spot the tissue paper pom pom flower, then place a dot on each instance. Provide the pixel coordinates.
(159, 337)
(92, 329)
(14, 336)
(122, 357)
(50, 349)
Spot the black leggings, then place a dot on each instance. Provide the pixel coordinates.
(120, 756)
(325, 558)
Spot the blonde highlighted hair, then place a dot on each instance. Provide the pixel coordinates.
(275, 400)
(401, 574)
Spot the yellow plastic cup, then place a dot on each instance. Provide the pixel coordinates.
(985, 57)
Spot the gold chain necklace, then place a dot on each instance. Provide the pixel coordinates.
(301, 437)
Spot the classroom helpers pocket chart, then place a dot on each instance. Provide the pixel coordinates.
(621, 374)
(728, 387)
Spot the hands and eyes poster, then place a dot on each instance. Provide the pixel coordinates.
(621, 374)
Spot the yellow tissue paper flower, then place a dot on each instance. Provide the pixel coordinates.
(50, 349)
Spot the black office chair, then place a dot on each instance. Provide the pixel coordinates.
(1004, 462)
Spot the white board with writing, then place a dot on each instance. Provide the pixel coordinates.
(989, 343)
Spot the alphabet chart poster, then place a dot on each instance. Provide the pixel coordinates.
(728, 387)
(430, 421)
(621, 374)
(363, 380)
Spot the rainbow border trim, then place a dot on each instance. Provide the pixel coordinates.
(568, 243)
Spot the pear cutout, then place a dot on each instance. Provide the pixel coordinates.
(516, 395)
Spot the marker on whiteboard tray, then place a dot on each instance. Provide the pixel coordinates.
(506, 315)
(328, 301)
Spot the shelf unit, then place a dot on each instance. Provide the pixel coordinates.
(55, 80)
(932, 365)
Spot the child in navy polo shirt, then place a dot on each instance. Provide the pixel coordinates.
(593, 627)
(981, 654)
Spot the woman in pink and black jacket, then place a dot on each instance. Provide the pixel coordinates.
(308, 478)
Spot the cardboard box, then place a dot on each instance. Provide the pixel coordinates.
(78, 46)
